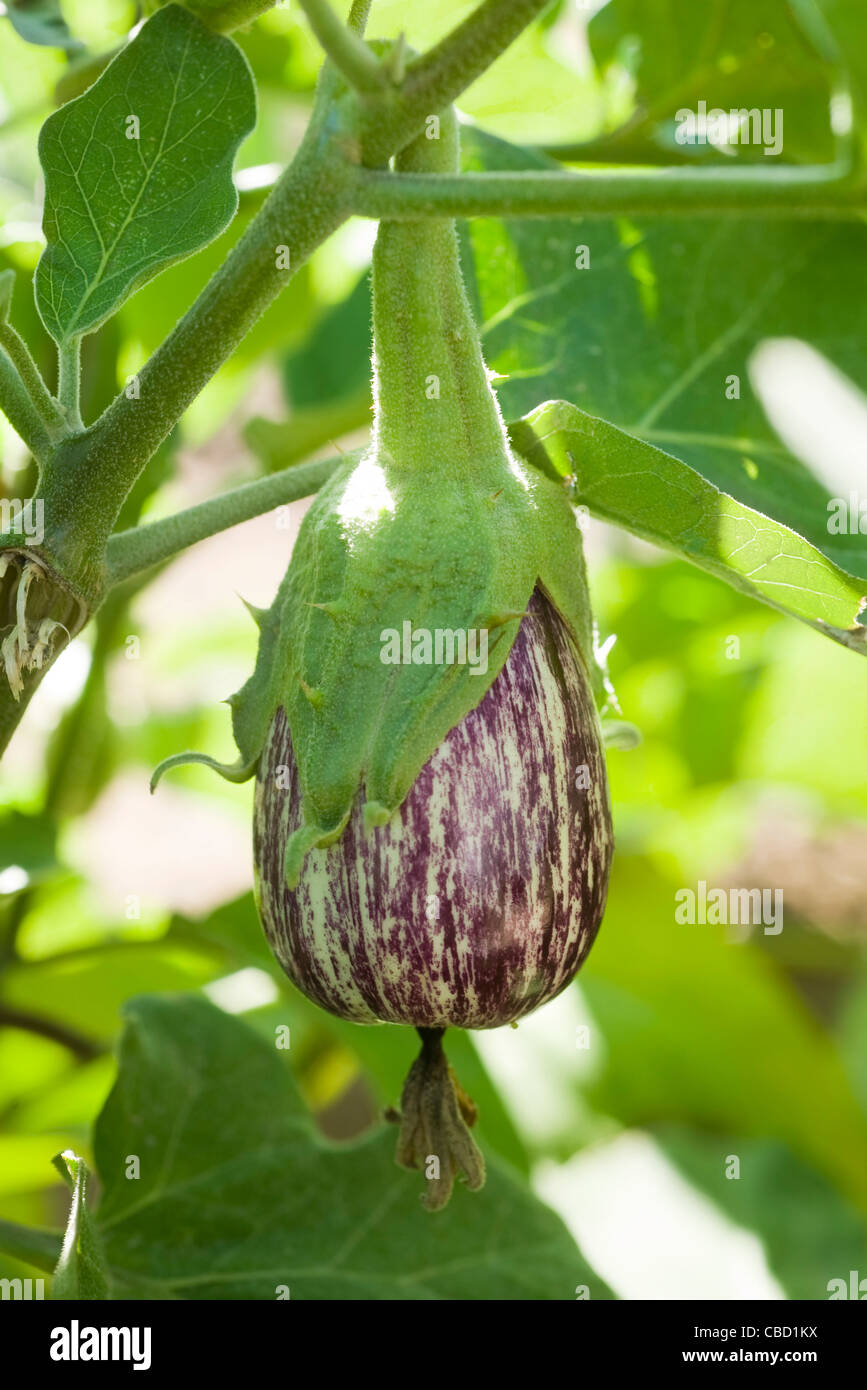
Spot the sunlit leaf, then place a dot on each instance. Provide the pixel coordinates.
(627, 481)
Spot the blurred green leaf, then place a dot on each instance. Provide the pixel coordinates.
(28, 1062)
(334, 362)
(28, 842)
(238, 1198)
(121, 200)
(87, 990)
(219, 14)
(701, 1029)
(731, 54)
(279, 443)
(805, 724)
(624, 480)
(42, 22)
(809, 1233)
(327, 382)
(70, 1101)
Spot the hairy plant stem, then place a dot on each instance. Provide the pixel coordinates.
(435, 79)
(359, 15)
(810, 192)
(46, 406)
(39, 1248)
(69, 382)
(142, 547)
(310, 200)
(347, 51)
(21, 412)
(83, 1048)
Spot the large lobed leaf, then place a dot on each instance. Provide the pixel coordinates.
(239, 1198)
(138, 170)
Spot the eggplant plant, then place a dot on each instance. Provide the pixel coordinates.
(427, 718)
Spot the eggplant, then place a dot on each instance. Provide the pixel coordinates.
(480, 898)
(474, 904)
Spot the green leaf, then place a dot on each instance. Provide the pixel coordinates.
(279, 443)
(648, 336)
(81, 1272)
(732, 54)
(86, 990)
(624, 480)
(334, 362)
(138, 170)
(239, 1198)
(41, 22)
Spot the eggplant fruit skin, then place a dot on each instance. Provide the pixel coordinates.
(480, 898)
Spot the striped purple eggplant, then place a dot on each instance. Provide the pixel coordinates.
(481, 897)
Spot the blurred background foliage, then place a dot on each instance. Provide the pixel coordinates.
(702, 1044)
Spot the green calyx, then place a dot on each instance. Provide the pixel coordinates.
(415, 563)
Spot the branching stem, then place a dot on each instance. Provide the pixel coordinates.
(18, 407)
(347, 51)
(435, 79)
(142, 547)
(46, 406)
